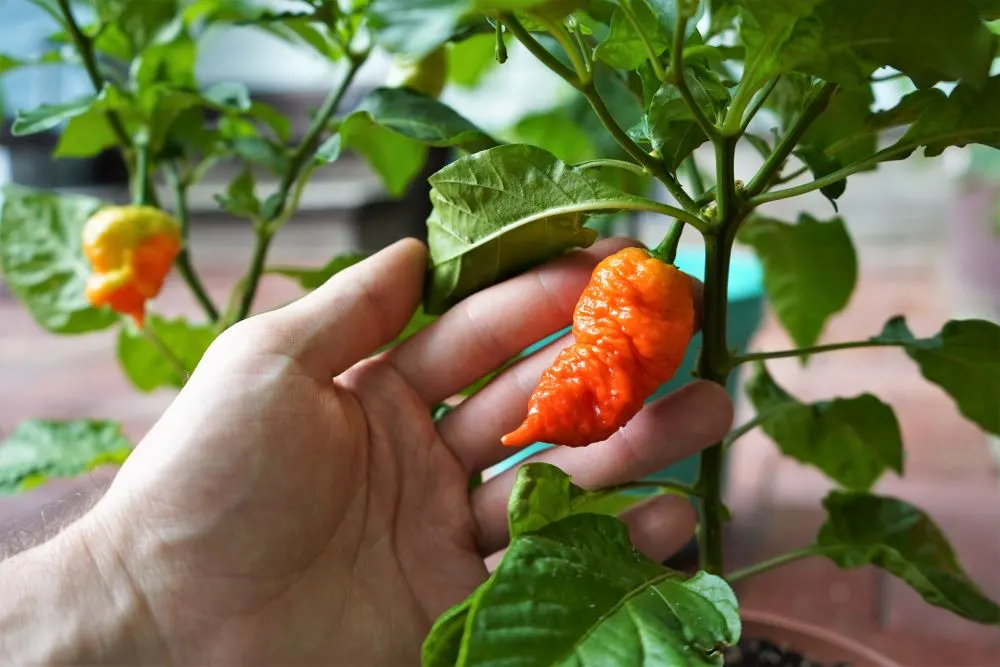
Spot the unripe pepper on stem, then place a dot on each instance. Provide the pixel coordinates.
(631, 328)
(131, 250)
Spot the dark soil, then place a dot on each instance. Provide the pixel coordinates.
(758, 653)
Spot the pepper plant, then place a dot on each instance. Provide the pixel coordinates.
(662, 79)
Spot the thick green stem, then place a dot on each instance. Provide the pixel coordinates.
(299, 161)
(715, 361)
(85, 48)
(774, 162)
(183, 261)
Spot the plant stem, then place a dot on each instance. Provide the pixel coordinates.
(677, 76)
(835, 177)
(501, 46)
(774, 162)
(772, 563)
(757, 103)
(792, 176)
(85, 48)
(565, 40)
(539, 51)
(667, 250)
(617, 164)
(162, 348)
(299, 160)
(758, 419)
(781, 354)
(183, 261)
(651, 54)
(666, 485)
(588, 90)
(714, 363)
(694, 174)
(141, 185)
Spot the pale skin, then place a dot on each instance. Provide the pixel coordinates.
(296, 504)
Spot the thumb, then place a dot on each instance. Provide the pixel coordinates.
(357, 311)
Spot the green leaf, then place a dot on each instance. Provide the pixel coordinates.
(471, 59)
(39, 450)
(145, 365)
(962, 118)
(48, 116)
(140, 22)
(544, 494)
(962, 359)
(443, 642)
(499, 212)
(864, 529)
(42, 260)
(624, 48)
(240, 198)
(550, 131)
(310, 279)
(669, 123)
(810, 270)
(577, 592)
(86, 135)
(846, 40)
(169, 59)
(842, 130)
(396, 158)
(258, 150)
(852, 440)
(233, 96)
(274, 119)
(423, 119)
(821, 164)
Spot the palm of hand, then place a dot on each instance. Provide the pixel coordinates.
(274, 515)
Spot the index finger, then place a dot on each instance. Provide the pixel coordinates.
(490, 327)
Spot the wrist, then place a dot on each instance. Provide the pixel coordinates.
(71, 600)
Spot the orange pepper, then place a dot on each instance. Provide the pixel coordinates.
(131, 250)
(631, 328)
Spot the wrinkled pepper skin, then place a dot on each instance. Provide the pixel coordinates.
(631, 328)
(131, 250)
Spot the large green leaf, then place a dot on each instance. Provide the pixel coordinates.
(963, 359)
(48, 116)
(396, 158)
(841, 130)
(864, 529)
(310, 279)
(39, 450)
(544, 494)
(86, 135)
(846, 40)
(577, 592)
(964, 117)
(810, 270)
(42, 260)
(424, 119)
(415, 27)
(852, 440)
(502, 211)
(146, 364)
(549, 130)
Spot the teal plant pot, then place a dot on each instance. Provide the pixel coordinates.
(746, 306)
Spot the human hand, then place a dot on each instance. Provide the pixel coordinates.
(296, 503)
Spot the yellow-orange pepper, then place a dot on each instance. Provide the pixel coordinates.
(631, 328)
(131, 250)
